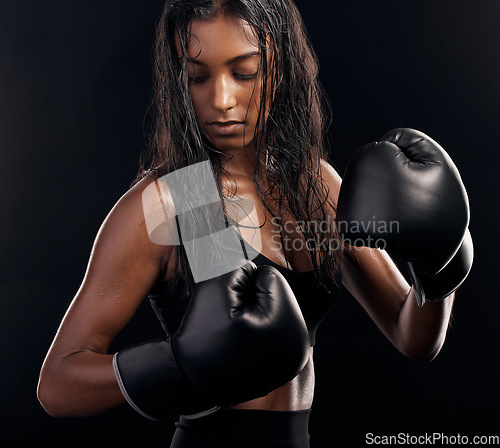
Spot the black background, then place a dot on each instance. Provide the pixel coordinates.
(74, 83)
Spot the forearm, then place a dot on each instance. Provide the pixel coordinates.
(78, 384)
(421, 331)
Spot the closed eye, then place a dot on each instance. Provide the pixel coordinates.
(198, 79)
(246, 77)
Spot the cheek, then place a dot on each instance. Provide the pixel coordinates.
(197, 100)
(200, 106)
(257, 102)
(254, 101)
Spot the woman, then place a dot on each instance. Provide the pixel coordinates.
(236, 85)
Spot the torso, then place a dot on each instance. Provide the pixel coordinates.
(298, 393)
(295, 395)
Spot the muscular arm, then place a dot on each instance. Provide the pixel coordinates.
(376, 283)
(77, 375)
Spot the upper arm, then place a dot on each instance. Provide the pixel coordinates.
(369, 274)
(124, 264)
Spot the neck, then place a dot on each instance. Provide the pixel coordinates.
(241, 162)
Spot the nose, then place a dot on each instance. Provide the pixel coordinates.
(224, 94)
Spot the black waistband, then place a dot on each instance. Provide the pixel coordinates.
(250, 427)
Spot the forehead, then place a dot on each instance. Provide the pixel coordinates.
(223, 37)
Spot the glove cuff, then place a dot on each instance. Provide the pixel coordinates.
(436, 288)
(152, 383)
(125, 393)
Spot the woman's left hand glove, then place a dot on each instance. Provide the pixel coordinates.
(405, 194)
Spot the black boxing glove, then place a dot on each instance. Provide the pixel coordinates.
(405, 194)
(243, 335)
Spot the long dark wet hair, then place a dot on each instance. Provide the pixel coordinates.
(290, 135)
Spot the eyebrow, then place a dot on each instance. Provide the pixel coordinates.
(230, 61)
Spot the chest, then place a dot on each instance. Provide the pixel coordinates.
(272, 232)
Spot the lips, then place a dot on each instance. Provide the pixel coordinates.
(225, 128)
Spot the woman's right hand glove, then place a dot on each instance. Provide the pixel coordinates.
(243, 335)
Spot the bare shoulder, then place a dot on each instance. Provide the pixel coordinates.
(331, 178)
(133, 219)
(135, 201)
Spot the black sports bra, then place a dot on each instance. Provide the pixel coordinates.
(314, 299)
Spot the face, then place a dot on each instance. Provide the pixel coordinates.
(224, 80)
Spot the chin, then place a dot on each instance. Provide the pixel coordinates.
(230, 144)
